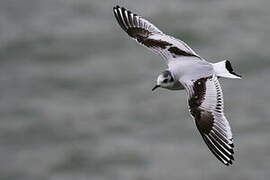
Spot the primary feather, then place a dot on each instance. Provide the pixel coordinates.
(150, 36)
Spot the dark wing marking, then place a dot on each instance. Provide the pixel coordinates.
(206, 106)
(150, 36)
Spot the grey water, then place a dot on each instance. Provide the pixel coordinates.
(76, 100)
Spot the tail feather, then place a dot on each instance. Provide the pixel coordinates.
(224, 69)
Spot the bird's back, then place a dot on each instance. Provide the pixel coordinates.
(190, 68)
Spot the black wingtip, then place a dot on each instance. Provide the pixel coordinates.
(123, 9)
(119, 7)
(229, 162)
(115, 7)
(117, 11)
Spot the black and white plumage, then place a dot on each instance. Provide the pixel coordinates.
(187, 70)
(150, 36)
(206, 106)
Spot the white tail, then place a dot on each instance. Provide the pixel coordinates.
(224, 69)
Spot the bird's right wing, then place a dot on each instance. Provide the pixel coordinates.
(150, 36)
(205, 102)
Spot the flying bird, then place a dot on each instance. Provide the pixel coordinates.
(190, 72)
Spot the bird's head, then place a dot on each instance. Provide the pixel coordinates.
(164, 80)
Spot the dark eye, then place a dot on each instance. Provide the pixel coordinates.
(165, 80)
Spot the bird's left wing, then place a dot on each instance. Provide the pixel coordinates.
(150, 36)
(205, 102)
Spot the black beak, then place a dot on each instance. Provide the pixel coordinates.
(156, 86)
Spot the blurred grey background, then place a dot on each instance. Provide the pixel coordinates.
(76, 100)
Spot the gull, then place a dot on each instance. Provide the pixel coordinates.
(190, 72)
